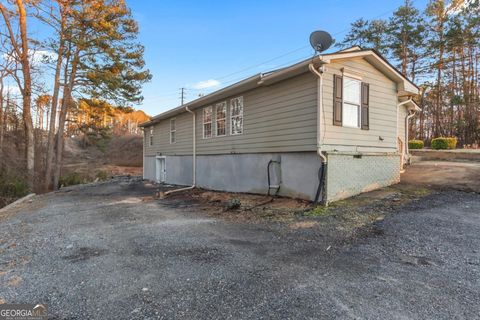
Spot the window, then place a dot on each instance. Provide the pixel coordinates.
(351, 102)
(207, 122)
(173, 131)
(151, 136)
(220, 118)
(236, 115)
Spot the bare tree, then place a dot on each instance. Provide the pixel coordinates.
(21, 54)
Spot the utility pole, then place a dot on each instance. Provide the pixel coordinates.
(182, 95)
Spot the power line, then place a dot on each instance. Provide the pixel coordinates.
(283, 55)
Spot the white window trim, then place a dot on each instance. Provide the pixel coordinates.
(359, 106)
(232, 116)
(221, 105)
(208, 122)
(173, 131)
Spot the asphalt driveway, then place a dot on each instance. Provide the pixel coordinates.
(109, 251)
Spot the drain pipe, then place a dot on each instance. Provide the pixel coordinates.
(407, 149)
(409, 115)
(194, 158)
(323, 167)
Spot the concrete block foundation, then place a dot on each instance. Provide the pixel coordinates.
(296, 173)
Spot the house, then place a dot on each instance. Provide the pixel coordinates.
(322, 129)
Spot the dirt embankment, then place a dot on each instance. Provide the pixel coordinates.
(118, 155)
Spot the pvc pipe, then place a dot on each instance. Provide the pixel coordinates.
(194, 152)
(405, 155)
(319, 110)
(407, 150)
(194, 159)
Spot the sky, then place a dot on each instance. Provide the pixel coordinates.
(205, 45)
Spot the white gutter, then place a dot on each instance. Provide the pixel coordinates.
(319, 109)
(194, 158)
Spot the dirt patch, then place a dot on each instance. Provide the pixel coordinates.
(250, 207)
(303, 224)
(462, 176)
(343, 220)
(121, 155)
(14, 281)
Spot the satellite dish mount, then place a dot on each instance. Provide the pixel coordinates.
(320, 41)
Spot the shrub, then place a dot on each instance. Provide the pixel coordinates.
(70, 180)
(233, 204)
(102, 175)
(415, 144)
(13, 189)
(439, 143)
(452, 142)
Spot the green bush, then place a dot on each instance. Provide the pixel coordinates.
(452, 142)
(415, 144)
(13, 188)
(439, 144)
(70, 180)
(444, 143)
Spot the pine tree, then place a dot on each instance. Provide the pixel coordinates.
(405, 38)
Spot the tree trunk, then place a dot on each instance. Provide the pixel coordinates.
(27, 96)
(2, 124)
(53, 112)
(66, 103)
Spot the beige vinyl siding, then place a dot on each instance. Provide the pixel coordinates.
(277, 118)
(382, 110)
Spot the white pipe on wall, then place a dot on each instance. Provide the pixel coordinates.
(194, 157)
(407, 150)
(319, 110)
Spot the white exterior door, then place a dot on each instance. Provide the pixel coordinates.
(160, 169)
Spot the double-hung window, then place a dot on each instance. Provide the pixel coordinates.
(173, 131)
(236, 116)
(220, 118)
(207, 122)
(351, 102)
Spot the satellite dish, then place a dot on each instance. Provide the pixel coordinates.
(320, 40)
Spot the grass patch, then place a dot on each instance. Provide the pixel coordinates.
(102, 175)
(320, 211)
(421, 192)
(70, 180)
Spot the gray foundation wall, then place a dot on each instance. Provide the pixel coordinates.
(297, 173)
(149, 168)
(351, 174)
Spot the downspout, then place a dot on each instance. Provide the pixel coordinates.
(194, 157)
(406, 152)
(143, 153)
(323, 167)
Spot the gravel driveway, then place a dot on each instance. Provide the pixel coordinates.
(109, 251)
